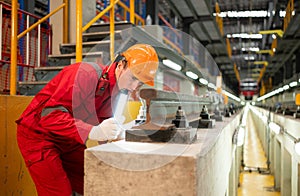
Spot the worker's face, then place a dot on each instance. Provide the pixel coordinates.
(125, 78)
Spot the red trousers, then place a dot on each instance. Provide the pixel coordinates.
(55, 171)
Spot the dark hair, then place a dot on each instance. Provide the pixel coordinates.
(119, 58)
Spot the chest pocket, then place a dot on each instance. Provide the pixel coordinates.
(102, 87)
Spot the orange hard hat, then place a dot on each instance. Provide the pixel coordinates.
(142, 61)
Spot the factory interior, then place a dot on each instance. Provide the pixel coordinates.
(220, 119)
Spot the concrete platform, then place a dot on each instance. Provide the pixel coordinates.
(134, 168)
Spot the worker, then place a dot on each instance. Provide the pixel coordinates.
(76, 105)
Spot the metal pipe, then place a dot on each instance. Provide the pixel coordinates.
(39, 47)
(79, 30)
(132, 11)
(66, 22)
(27, 40)
(13, 46)
(40, 21)
(112, 31)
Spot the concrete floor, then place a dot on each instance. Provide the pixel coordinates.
(254, 183)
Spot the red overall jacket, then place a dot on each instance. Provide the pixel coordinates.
(86, 96)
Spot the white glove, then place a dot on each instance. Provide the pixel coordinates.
(124, 127)
(107, 130)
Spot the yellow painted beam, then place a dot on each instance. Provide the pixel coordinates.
(132, 11)
(79, 30)
(228, 48)
(237, 74)
(261, 63)
(297, 100)
(265, 51)
(13, 46)
(112, 31)
(66, 22)
(262, 72)
(279, 32)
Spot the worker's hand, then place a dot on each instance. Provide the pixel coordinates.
(106, 131)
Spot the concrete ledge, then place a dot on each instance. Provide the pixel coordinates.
(133, 168)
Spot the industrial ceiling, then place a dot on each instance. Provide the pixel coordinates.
(250, 54)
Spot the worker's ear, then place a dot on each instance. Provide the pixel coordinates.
(120, 68)
(121, 65)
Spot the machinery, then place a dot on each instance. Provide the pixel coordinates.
(167, 120)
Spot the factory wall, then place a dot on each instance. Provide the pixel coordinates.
(15, 179)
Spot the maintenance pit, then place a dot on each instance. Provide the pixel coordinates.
(205, 167)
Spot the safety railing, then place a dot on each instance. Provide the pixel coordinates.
(15, 37)
(122, 12)
(31, 49)
(137, 20)
(134, 19)
(80, 29)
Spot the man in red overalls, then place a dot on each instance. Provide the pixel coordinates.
(74, 106)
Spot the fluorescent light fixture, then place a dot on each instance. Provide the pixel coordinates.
(203, 81)
(280, 89)
(244, 14)
(252, 49)
(231, 96)
(274, 127)
(286, 87)
(171, 64)
(249, 58)
(297, 147)
(245, 36)
(211, 85)
(292, 84)
(270, 94)
(248, 14)
(241, 136)
(282, 13)
(191, 75)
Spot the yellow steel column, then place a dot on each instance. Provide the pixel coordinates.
(78, 30)
(66, 22)
(112, 31)
(13, 46)
(131, 11)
